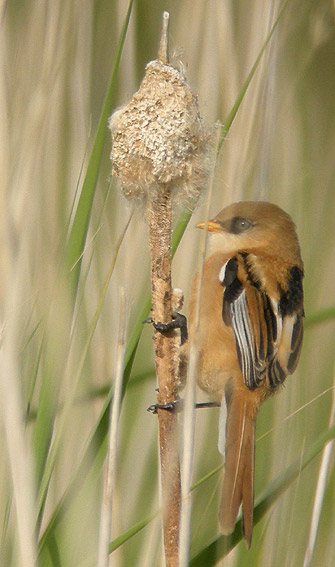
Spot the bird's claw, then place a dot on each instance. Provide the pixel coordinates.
(170, 406)
(178, 406)
(178, 321)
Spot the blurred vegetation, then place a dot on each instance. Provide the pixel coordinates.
(59, 62)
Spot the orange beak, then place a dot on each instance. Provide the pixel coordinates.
(211, 226)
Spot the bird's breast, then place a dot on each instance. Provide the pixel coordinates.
(214, 340)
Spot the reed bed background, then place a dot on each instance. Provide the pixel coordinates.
(60, 333)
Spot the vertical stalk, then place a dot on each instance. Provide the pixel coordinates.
(114, 417)
(160, 145)
(166, 352)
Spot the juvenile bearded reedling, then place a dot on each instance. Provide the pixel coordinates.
(249, 332)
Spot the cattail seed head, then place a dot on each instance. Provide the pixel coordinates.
(159, 139)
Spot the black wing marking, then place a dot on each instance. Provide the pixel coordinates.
(233, 288)
(268, 335)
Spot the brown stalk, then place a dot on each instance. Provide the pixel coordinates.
(166, 352)
(159, 216)
(160, 150)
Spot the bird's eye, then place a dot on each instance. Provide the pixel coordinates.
(239, 225)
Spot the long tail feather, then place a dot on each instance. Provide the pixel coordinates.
(238, 483)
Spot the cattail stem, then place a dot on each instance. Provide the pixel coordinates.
(166, 353)
(163, 50)
(160, 146)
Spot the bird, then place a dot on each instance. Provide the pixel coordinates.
(246, 321)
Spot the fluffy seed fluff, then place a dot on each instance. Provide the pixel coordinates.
(158, 138)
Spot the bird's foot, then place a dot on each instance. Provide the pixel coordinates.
(178, 406)
(170, 406)
(179, 321)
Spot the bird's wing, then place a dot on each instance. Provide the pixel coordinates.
(268, 333)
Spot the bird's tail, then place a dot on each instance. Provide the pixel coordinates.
(238, 483)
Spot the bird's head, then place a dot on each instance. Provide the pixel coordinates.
(255, 226)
